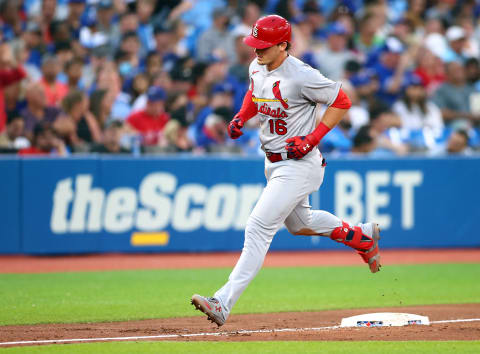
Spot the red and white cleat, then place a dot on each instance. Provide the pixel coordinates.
(372, 255)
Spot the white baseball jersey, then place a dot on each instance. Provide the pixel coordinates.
(286, 99)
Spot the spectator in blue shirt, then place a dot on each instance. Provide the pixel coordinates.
(392, 70)
(339, 139)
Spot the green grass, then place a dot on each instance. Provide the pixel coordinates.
(128, 295)
(258, 347)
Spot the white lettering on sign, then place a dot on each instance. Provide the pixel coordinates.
(357, 199)
(348, 195)
(407, 181)
(78, 206)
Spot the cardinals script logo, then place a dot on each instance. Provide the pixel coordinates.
(264, 108)
(255, 31)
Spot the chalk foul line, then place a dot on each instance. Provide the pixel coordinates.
(205, 334)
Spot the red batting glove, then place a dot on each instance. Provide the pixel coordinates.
(299, 146)
(234, 128)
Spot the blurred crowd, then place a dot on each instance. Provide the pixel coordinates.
(146, 76)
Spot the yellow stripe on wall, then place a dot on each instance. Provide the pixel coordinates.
(149, 238)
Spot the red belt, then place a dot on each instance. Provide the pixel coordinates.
(277, 156)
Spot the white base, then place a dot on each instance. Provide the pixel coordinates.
(384, 319)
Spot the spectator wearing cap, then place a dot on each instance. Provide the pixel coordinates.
(37, 109)
(151, 121)
(430, 69)
(457, 41)
(13, 137)
(217, 40)
(366, 86)
(221, 95)
(421, 119)
(392, 69)
(55, 90)
(90, 35)
(45, 142)
(453, 97)
(111, 140)
(331, 59)
(10, 73)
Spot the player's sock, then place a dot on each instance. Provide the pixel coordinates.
(352, 236)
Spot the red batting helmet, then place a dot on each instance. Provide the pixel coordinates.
(268, 31)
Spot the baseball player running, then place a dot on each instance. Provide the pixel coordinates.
(284, 92)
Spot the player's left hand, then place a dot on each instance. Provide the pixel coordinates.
(234, 128)
(299, 146)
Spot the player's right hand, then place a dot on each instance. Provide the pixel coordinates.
(299, 146)
(234, 128)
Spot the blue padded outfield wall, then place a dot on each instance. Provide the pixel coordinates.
(177, 204)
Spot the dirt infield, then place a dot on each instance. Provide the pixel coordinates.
(179, 327)
(40, 264)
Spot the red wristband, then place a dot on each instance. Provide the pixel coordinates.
(320, 132)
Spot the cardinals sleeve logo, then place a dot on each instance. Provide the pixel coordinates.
(278, 95)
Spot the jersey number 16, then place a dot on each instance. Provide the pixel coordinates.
(278, 126)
